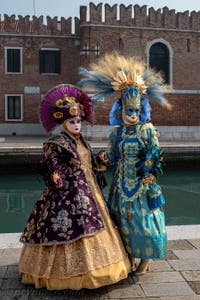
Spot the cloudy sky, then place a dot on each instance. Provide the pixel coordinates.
(67, 8)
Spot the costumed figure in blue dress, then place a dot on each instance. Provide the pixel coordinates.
(135, 200)
(70, 241)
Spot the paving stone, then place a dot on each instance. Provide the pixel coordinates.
(160, 266)
(79, 298)
(11, 255)
(167, 289)
(14, 294)
(1, 282)
(195, 286)
(121, 282)
(126, 281)
(149, 298)
(2, 252)
(50, 298)
(179, 245)
(132, 279)
(13, 252)
(187, 254)
(125, 291)
(170, 255)
(131, 298)
(89, 297)
(191, 297)
(185, 264)
(29, 288)
(100, 293)
(2, 271)
(7, 260)
(160, 277)
(12, 283)
(94, 297)
(191, 275)
(195, 243)
(12, 271)
(43, 293)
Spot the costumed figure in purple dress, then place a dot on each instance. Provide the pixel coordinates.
(69, 239)
(135, 200)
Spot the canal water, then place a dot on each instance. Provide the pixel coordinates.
(180, 184)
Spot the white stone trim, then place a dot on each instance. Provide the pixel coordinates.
(171, 55)
(21, 60)
(176, 91)
(140, 27)
(21, 107)
(21, 129)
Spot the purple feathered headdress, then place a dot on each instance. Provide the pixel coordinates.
(63, 102)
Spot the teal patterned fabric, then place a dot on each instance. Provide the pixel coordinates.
(142, 229)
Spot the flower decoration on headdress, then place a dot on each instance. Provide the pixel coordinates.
(63, 102)
(59, 103)
(58, 115)
(127, 76)
(74, 109)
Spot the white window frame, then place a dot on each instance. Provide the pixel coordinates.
(171, 56)
(6, 63)
(6, 105)
(50, 49)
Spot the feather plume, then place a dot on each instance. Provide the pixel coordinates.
(113, 72)
(95, 82)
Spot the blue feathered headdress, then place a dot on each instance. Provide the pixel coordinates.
(127, 76)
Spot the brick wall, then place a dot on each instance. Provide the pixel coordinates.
(130, 32)
(32, 35)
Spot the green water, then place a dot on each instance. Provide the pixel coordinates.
(18, 193)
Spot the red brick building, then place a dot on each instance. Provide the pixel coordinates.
(35, 56)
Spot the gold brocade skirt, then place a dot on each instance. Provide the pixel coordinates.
(89, 262)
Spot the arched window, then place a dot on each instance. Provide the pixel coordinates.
(159, 59)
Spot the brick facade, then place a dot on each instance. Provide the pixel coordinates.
(131, 35)
(32, 35)
(130, 30)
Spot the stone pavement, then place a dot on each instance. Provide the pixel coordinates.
(177, 277)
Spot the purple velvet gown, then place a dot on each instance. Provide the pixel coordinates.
(69, 240)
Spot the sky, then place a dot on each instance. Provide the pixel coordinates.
(70, 8)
